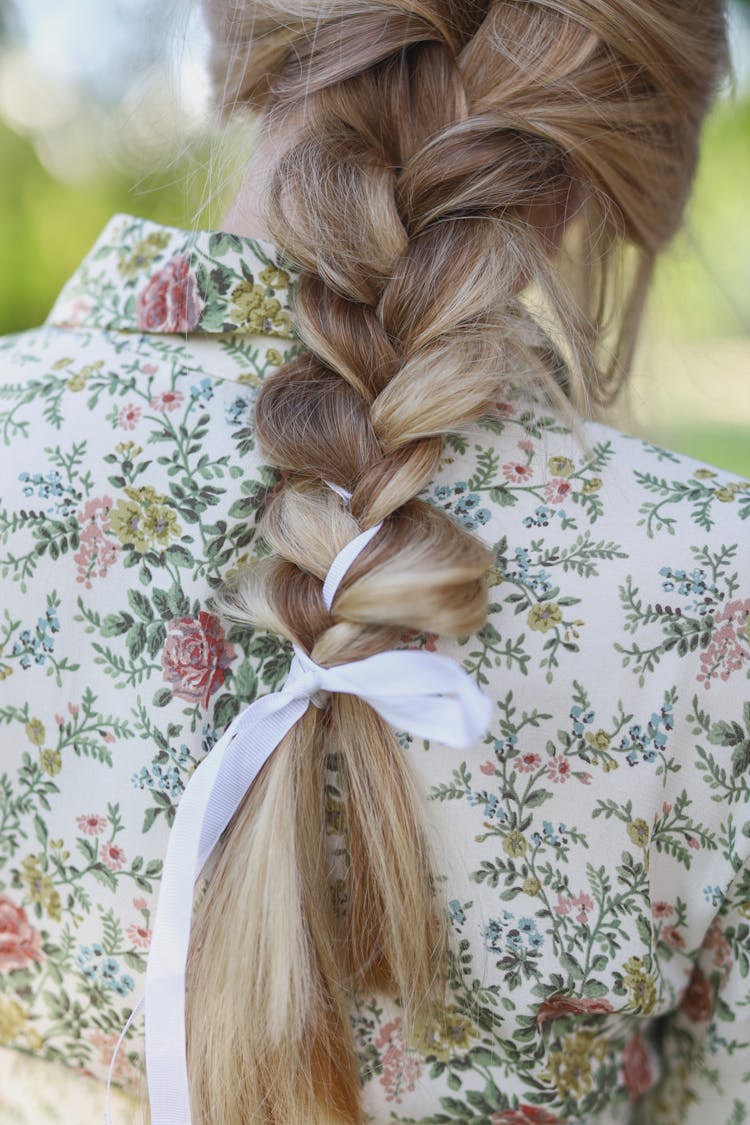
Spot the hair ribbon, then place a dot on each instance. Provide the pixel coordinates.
(426, 693)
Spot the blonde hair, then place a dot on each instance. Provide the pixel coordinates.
(436, 145)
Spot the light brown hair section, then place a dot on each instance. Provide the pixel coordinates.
(437, 148)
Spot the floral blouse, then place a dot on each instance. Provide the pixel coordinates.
(594, 845)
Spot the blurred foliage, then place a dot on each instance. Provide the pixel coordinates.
(702, 286)
(46, 226)
(701, 289)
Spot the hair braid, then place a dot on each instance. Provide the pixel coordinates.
(435, 146)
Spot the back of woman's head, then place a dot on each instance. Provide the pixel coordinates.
(432, 153)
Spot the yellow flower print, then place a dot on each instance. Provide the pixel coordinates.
(544, 616)
(560, 466)
(704, 474)
(274, 277)
(640, 984)
(531, 885)
(274, 356)
(145, 495)
(253, 311)
(128, 449)
(126, 520)
(160, 524)
(77, 381)
(144, 520)
(335, 818)
(144, 252)
(514, 844)
(569, 1068)
(638, 832)
(34, 1039)
(726, 494)
(598, 740)
(50, 761)
(249, 379)
(40, 888)
(35, 732)
(12, 1018)
(59, 364)
(593, 484)
(447, 1034)
(494, 576)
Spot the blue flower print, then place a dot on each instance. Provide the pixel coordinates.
(105, 971)
(705, 596)
(581, 719)
(492, 807)
(37, 646)
(50, 486)
(463, 504)
(204, 392)
(237, 411)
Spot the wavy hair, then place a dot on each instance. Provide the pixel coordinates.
(433, 151)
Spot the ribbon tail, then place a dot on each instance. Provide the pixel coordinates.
(123, 1033)
(210, 800)
(453, 721)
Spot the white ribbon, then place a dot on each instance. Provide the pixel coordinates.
(425, 693)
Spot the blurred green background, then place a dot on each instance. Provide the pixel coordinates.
(103, 108)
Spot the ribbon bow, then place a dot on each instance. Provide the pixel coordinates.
(425, 693)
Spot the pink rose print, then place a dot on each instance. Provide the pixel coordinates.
(526, 1115)
(566, 904)
(170, 302)
(488, 769)
(662, 910)
(113, 856)
(195, 657)
(140, 903)
(20, 943)
(128, 417)
(91, 824)
(729, 649)
(556, 491)
(636, 1067)
(167, 401)
(125, 1072)
(139, 935)
(716, 941)
(672, 936)
(516, 472)
(401, 1069)
(556, 1006)
(558, 769)
(79, 310)
(528, 762)
(96, 553)
(698, 1000)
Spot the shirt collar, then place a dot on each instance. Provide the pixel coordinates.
(144, 277)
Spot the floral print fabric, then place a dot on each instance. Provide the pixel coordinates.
(593, 848)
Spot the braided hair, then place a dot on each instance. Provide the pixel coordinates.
(437, 147)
